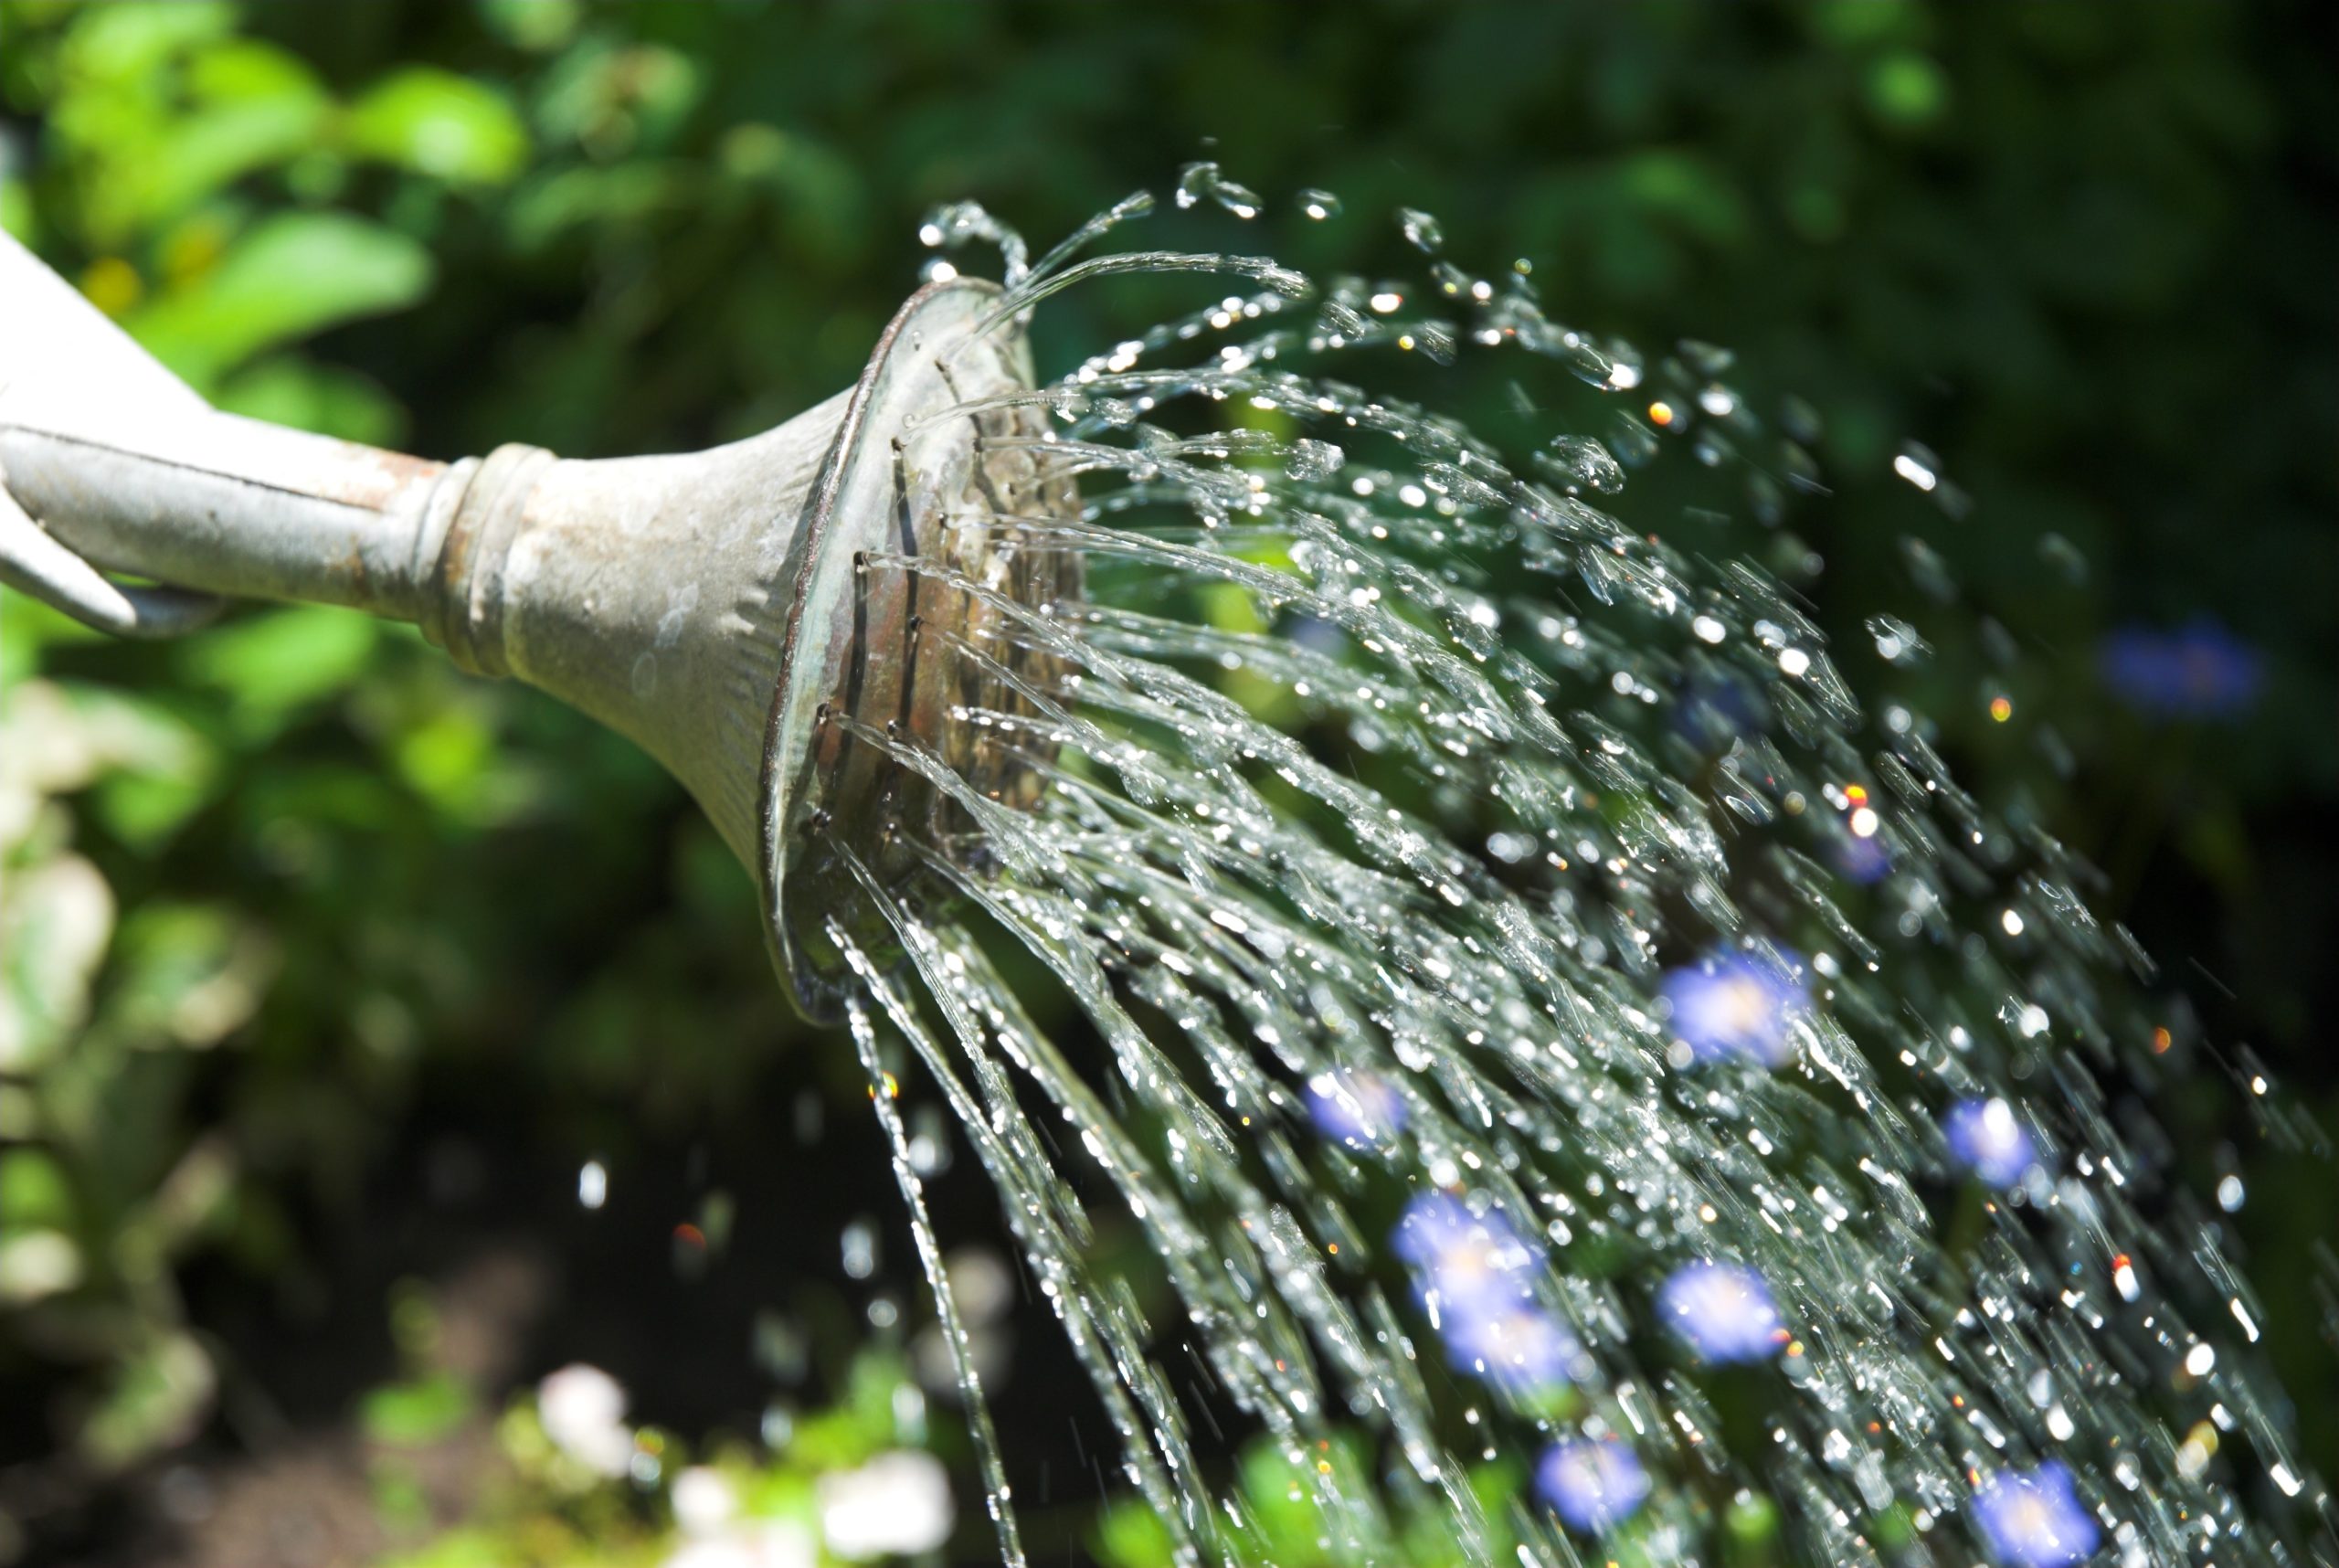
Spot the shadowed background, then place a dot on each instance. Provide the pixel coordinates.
(327, 969)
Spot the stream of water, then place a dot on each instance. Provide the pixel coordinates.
(1592, 1086)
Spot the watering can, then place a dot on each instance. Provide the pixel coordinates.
(720, 608)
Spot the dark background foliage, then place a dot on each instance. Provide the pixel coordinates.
(397, 951)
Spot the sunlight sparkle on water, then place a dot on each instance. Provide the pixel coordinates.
(1406, 928)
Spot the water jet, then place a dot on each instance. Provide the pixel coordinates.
(1500, 1045)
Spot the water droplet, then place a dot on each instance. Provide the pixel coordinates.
(1706, 358)
(1897, 641)
(1421, 230)
(2064, 556)
(1591, 365)
(1372, 763)
(1318, 205)
(1581, 461)
(1633, 443)
(1918, 465)
(1196, 181)
(1340, 319)
(858, 1248)
(1313, 460)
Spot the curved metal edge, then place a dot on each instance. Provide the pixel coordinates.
(806, 553)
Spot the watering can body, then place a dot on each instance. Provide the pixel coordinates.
(709, 606)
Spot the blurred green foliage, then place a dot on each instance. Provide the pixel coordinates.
(280, 897)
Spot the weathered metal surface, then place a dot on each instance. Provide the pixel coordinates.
(211, 502)
(714, 607)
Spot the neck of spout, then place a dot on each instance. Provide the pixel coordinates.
(649, 592)
(207, 501)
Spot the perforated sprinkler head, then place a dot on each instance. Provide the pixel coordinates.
(928, 657)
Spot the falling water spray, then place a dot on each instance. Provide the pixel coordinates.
(1594, 1086)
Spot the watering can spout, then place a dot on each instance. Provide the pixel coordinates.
(718, 608)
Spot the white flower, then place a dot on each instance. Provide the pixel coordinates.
(724, 1552)
(896, 1505)
(583, 1411)
(703, 1501)
(769, 1543)
(981, 1284)
(984, 1290)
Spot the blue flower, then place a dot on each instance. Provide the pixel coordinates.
(1987, 1139)
(1859, 859)
(1590, 1485)
(1466, 1261)
(2201, 672)
(1476, 1277)
(1711, 712)
(1513, 1345)
(2034, 1519)
(1360, 1109)
(1723, 1310)
(1737, 1003)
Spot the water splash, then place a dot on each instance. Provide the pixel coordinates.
(1319, 205)
(1485, 905)
(1198, 182)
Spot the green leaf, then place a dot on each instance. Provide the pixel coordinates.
(534, 25)
(28, 626)
(275, 664)
(1687, 190)
(436, 122)
(1906, 89)
(123, 43)
(465, 1548)
(155, 1400)
(144, 810)
(17, 216)
(286, 279)
(54, 928)
(288, 389)
(415, 1415)
(33, 1191)
(1131, 1535)
(1282, 1501)
(185, 974)
(260, 108)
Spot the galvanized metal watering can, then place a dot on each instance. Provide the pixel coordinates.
(717, 608)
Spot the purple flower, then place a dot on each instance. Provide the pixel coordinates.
(1987, 1139)
(1712, 710)
(1513, 1345)
(1724, 1311)
(1863, 860)
(1737, 1004)
(1463, 1260)
(1360, 1109)
(2034, 1519)
(1591, 1486)
(2201, 672)
(1476, 1277)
